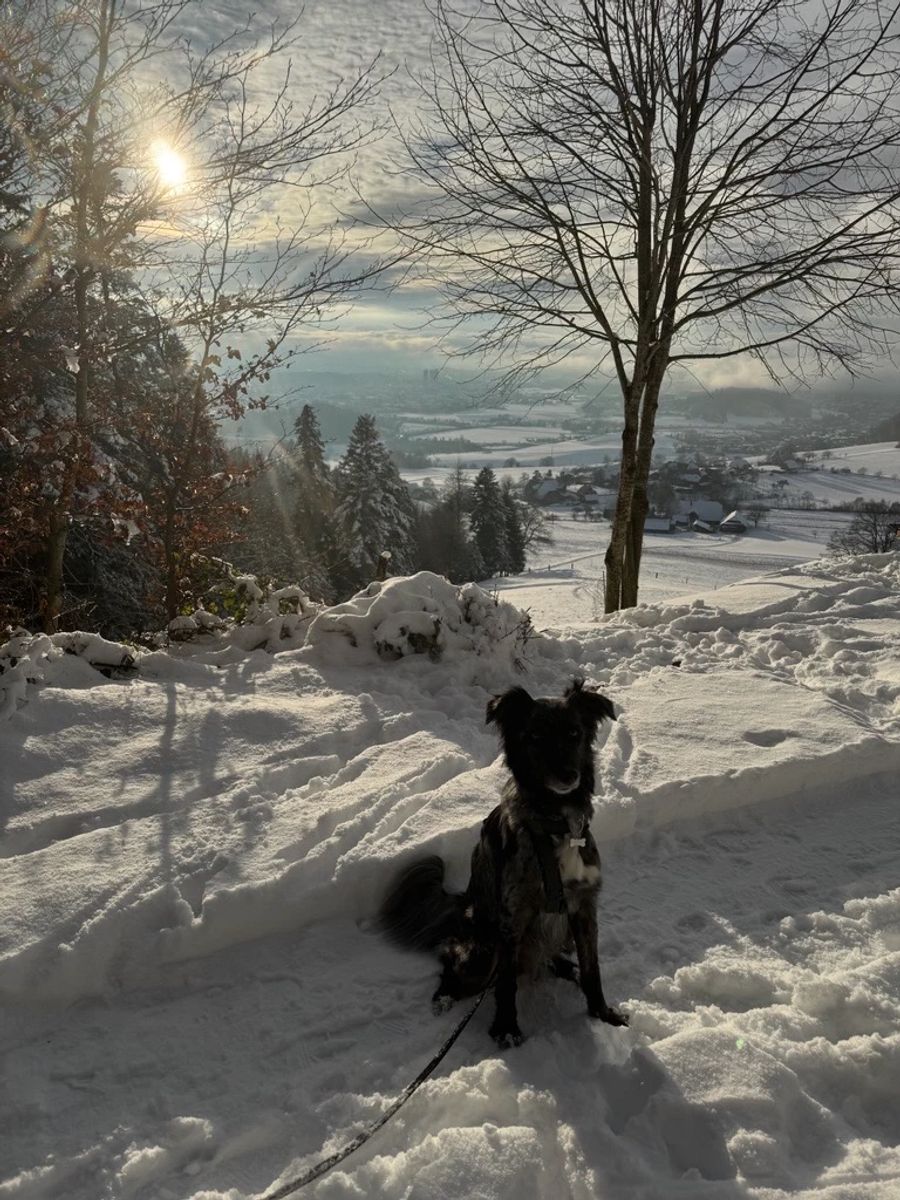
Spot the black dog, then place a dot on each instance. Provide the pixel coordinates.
(535, 876)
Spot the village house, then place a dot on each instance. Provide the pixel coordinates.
(690, 510)
(548, 491)
(658, 524)
(600, 498)
(733, 524)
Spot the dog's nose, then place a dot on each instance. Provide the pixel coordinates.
(569, 778)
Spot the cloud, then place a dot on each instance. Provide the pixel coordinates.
(337, 40)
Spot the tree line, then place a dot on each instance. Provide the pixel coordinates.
(334, 529)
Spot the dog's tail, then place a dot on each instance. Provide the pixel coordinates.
(417, 912)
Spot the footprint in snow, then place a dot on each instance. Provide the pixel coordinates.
(767, 737)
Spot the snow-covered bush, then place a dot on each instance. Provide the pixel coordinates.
(423, 614)
(21, 663)
(27, 660)
(276, 621)
(250, 616)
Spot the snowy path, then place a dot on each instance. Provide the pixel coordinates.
(714, 939)
(195, 1003)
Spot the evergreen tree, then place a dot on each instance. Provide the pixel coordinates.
(269, 546)
(374, 511)
(515, 537)
(445, 543)
(488, 520)
(314, 505)
(310, 449)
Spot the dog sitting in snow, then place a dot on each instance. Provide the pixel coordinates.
(532, 895)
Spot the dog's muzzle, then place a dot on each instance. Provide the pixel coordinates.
(562, 788)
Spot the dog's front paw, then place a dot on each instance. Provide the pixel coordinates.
(604, 1012)
(506, 1033)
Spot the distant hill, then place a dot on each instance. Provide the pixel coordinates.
(745, 402)
(340, 396)
(885, 431)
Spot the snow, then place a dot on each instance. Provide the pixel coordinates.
(196, 1005)
(561, 452)
(563, 585)
(874, 456)
(846, 473)
(421, 614)
(66, 659)
(501, 435)
(828, 488)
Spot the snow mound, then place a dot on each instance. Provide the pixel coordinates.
(59, 660)
(422, 614)
(272, 621)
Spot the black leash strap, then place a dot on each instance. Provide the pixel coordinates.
(320, 1168)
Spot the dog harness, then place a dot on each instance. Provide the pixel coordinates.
(542, 840)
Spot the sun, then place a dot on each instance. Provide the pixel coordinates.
(171, 167)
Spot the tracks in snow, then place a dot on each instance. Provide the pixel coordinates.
(710, 934)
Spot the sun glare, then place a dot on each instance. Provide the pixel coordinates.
(170, 166)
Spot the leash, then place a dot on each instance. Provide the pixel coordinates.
(320, 1168)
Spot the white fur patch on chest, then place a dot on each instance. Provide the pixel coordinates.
(572, 867)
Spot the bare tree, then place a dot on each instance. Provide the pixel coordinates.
(190, 177)
(757, 511)
(874, 530)
(629, 185)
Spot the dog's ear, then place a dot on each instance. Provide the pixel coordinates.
(510, 708)
(592, 705)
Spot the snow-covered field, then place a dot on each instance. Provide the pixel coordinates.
(564, 584)
(845, 474)
(872, 457)
(502, 435)
(195, 1004)
(828, 488)
(536, 413)
(558, 452)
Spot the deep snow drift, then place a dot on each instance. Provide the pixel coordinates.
(196, 1006)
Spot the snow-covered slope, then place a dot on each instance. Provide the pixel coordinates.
(195, 1003)
(563, 585)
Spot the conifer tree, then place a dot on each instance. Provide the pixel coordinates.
(515, 537)
(310, 446)
(445, 543)
(374, 510)
(488, 521)
(314, 504)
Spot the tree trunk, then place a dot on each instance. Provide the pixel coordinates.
(84, 267)
(640, 503)
(640, 506)
(56, 550)
(170, 554)
(617, 550)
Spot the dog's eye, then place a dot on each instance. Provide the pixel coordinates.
(573, 734)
